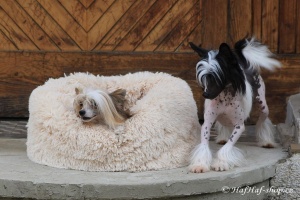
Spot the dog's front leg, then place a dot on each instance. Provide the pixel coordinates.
(201, 157)
(229, 155)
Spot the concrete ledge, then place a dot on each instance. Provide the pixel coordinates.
(293, 116)
(21, 178)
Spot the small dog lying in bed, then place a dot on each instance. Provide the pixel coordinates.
(100, 106)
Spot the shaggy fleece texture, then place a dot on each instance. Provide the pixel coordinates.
(160, 134)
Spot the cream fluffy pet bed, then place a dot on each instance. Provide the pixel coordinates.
(160, 134)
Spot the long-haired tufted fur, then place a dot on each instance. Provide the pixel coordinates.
(101, 107)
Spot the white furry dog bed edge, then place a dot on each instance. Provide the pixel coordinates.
(160, 135)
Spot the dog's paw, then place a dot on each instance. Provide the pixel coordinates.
(220, 165)
(267, 144)
(199, 168)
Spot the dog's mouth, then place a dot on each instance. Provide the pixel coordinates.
(87, 119)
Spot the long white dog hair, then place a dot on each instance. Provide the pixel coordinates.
(98, 105)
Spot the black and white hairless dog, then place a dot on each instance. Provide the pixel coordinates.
(230, 78)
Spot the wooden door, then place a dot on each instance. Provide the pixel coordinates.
(42, 39)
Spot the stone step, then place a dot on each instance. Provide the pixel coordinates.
(293, 117)
(21, 178)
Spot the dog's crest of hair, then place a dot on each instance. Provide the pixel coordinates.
(106, 106)
(109, 106)
(224, 67)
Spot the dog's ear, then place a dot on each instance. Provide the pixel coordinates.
(201, 52)
(78, 90)
(235, 73)
(118, 96)
(225, 50)
(227, 55)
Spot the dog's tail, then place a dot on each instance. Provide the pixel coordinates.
(256, 54)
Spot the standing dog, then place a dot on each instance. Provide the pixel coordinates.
(230, 79)
(100, 106)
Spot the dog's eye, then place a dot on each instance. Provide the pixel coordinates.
(94, 104)
(81, 104)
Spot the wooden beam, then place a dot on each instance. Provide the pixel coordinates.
(21, 72)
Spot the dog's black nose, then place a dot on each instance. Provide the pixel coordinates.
(82, 112)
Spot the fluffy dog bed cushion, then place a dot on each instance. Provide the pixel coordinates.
(160, 134)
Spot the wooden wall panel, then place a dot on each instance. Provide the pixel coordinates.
(7, 45)
(194, 36)
(86, 14)
(111, 16)
(124, 25)
(52, 29)
(146, 23)
(165, 25)
(27, 25)
(240, 24)
(184, 27)
(66, 21)
(14, 33)
(146, 26)
(287, 26)
(298, 27)
(270, 23)
(22, 72)
(40, 39)
(214, 25)
(257, 18)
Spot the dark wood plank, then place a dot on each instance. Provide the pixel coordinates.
(124, 25)
(28, 26)
(6, 44)
(298, 28)
(86, 14)
(184, 27)
(112, 15)
(240, 24)
(287, 26)
(144, 25)
(66, 21)
(22, 72)
(48, 25)
(194, 36)
(215, 26)
(270, 24)
(257, 18)
(165, 25)
(95, 11)
(77, 11)
(87, 3)
(14, 33)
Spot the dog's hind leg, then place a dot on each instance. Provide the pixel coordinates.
(223, 133)
(264, 127)
(229, 155)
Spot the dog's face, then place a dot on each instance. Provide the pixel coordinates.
(101, 106)
(217, 69)
(85, 106)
